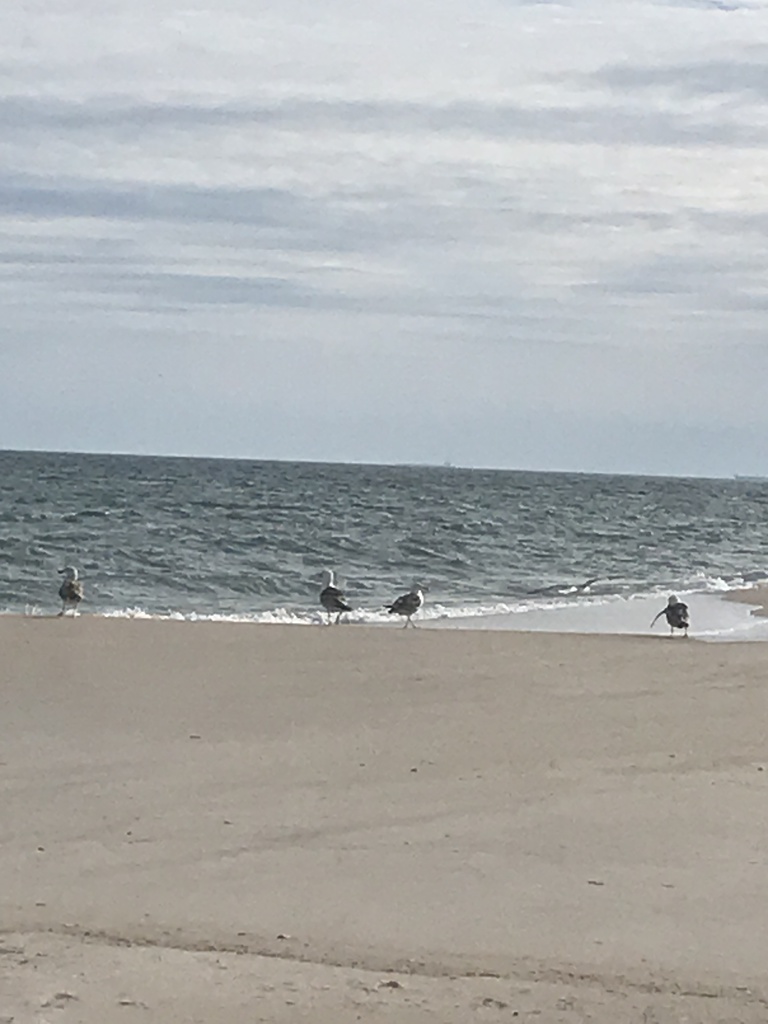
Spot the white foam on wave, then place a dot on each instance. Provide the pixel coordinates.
(279, 616)
(482, 616)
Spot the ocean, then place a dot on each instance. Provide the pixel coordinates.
(248, 540)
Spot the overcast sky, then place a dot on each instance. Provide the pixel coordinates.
(499, 233)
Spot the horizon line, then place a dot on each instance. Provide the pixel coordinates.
(383, 465)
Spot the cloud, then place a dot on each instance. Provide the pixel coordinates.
(231, 216)
(592, 123)
(716, 5)
(736, 77)
(85, 197)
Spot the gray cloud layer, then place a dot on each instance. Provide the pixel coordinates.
(538, 247)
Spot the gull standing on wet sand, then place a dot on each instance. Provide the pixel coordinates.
(676, 613)
(331, 598)
(71, 590)
(408, 604)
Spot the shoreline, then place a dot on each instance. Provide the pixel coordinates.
(756, 596)
(212, 823)
(716, 616)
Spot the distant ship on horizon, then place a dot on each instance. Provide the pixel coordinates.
(739, 476)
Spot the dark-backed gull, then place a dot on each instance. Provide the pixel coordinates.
(676, 614)
(331, 598)
(71, 590)
(408, 604)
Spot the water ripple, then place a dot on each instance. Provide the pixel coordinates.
(220, 537)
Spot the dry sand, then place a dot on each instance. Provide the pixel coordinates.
(236, 823)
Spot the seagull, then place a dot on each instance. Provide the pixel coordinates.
(331, 598)
(71, 590)
(677, 615)
(408, 604)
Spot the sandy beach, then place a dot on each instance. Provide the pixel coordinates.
(236, 823)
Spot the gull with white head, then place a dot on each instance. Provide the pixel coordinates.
(676, 614)
(71, 590)
(408, 604)
(332, 598)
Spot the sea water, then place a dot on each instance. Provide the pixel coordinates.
(248, 540)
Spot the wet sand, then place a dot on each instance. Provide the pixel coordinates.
(757, 596)
(229, 823)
